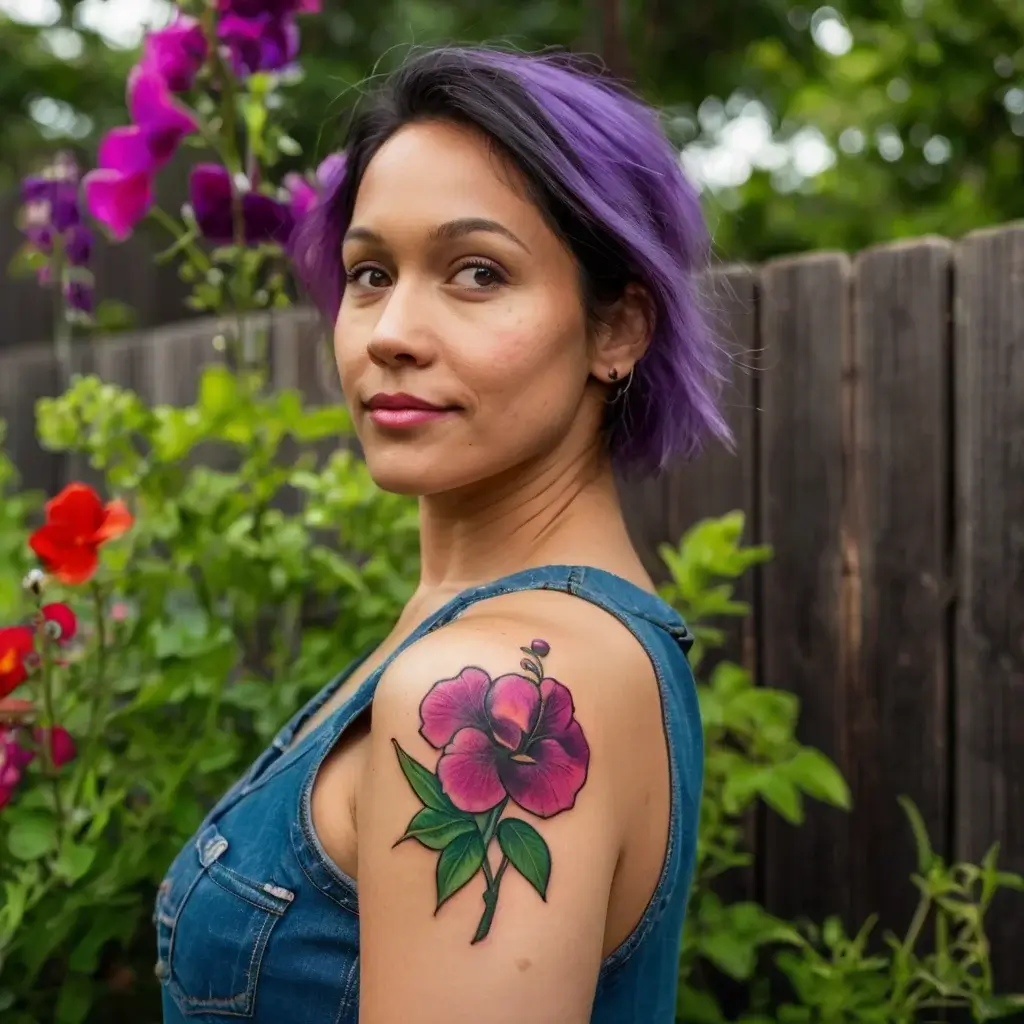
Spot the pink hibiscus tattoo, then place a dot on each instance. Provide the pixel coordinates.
(514, 738)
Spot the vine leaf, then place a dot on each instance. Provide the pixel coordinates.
(424, 783)
(460, 860)
(527, 853)
(437, 829)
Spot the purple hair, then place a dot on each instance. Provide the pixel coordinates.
(611, 186)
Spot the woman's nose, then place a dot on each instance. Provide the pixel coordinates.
(402, 334)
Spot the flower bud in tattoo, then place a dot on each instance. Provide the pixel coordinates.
(514, 738)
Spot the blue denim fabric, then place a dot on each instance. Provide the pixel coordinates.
(255, 921)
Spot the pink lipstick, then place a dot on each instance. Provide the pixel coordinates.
(401, 411)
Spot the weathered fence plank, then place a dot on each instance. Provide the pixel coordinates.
(989, 345)
(27, 375)
(25, 308)
(895, 727)
(805, 335)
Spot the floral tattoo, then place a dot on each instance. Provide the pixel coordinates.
(513, 738)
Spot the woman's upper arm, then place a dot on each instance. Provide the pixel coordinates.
(488, 835)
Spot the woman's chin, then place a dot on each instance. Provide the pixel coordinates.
(407, 472)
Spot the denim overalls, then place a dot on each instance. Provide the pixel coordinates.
(255, 921)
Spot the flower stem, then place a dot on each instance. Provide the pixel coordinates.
(490, 902)
(181, 237)
(98, 701)
(493, 879)
(61, 324)
(47, 742)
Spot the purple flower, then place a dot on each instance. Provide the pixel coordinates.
(263, 42)
(40, 237)
(176, 53)
(51, 218)
(79, 296)
(263, 217)
(78, 245)
(58, 195)
(36, 189)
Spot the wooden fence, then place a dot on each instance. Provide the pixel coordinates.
(879, 408)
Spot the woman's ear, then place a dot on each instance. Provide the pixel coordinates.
(623, 335)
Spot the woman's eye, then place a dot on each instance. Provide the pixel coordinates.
(478, 276)
(369, 277)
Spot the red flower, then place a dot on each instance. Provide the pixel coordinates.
(16, 643)
(61, 624)
(77, 523)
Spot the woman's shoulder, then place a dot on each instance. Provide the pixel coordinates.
(593, 653)
(514, 659)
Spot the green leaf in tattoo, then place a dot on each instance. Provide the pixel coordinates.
(460, 860)
(527, 852)
(424, 783)
(437, 829)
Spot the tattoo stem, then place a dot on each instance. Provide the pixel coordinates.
(493, 879)
(490, 902)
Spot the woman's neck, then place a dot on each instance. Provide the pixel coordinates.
(561, 511)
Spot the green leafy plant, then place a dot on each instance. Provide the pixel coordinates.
(752, 755)
(213, 620)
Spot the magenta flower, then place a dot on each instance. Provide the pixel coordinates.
(13, 760)
(164, 122)
(62, 746)
(119, 192)
(264, 218)
(263, 42)
(509, 737)
(118, 199)
(176, 53)
(276, 8)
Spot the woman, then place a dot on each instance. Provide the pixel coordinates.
(513, 777)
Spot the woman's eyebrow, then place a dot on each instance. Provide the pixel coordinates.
(447, 232)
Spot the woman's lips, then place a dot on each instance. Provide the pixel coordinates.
(399, 419)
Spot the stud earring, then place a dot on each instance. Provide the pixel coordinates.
(613, 374)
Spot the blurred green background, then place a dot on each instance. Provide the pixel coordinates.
(806, 127)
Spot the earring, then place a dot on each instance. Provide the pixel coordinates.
(613, 374)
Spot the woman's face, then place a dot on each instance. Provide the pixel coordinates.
(461, 340)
